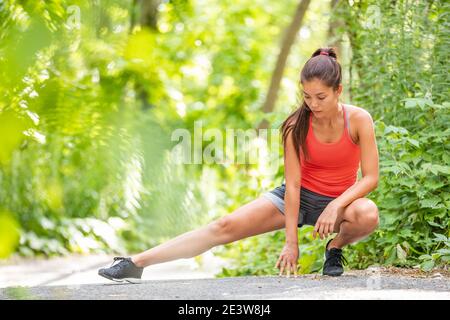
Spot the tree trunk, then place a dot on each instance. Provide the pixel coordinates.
(334, 39)
(149, 13)
(352, 27)
(148, 18)
(288, 40)
(133, 15)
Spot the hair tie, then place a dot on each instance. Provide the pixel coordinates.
(324, 53)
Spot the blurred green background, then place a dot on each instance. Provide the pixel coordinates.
(92, 91)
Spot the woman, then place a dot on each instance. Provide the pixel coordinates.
(324, 143)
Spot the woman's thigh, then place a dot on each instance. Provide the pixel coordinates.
(253, 218)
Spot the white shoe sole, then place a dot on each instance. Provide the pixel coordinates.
(129, 280)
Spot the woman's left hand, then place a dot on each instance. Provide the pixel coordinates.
(325, 224)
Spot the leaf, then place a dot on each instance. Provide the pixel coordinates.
(394, 129)
(411, 103)
(401, 254)
(436, 256)
(431, 203)
(440, 237)
(394, 169)
(444, 251)
(306, 262)
(443, 169)
(417, 102)
(434, 224)
(433, 184)
(427, 265)
(414, 142)
(436, 168)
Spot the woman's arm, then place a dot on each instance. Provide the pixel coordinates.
(289, 255)
(369, 162)
(292, 175)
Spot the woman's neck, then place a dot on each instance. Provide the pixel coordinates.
(332, 119)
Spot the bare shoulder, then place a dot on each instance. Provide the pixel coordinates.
(358, 115)
(358, 118)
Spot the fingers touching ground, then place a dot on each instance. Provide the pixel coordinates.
(285, 265)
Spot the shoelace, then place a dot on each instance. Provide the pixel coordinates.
(336, 258)
(118, 259)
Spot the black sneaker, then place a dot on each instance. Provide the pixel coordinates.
(125, 270)
(333, 262)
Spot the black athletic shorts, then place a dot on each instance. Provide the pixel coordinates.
(311, 203)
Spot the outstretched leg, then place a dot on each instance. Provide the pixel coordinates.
(256, 217)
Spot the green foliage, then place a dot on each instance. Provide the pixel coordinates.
(9, 234)
(20, 293)
(398, 72)
(413, 193)
(404, 84)
(398, 50)
(80, 146)
(89, 100)
(86, 166)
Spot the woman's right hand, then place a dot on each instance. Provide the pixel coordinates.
(288, 259)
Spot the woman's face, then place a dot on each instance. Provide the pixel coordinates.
(321, 99)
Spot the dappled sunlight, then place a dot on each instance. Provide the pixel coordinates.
(123, 126)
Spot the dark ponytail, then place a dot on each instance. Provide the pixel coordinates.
(323, 66)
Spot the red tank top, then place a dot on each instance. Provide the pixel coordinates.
(331, 167)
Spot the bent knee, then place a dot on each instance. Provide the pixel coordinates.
(372, 219)
(371, 215)
(368, 212)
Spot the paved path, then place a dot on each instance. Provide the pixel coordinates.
(349, 286)
(80, 269)
(75, 277)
